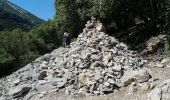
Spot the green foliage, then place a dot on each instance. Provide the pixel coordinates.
(15, 43)
(15, 50)
(47, 37)
(137, 20)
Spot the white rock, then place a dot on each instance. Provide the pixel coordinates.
(165, 61)
(117, 68)
(143, 75)
(16, 82)
(43, 66)
(106, 83)
(156, 94)
(159, 65)
(20, 90)
(145, 87)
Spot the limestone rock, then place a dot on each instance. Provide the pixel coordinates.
(17, 81)
(156, 94)
(143, 75)
(145, 87)
(20, 90)
(161, 91)
(159, 65)
(83, 78)
(42, 75)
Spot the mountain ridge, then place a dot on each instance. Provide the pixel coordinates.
(13, 16)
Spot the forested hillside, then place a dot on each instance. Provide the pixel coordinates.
(12, 16)
(131, 21)
(15, 40)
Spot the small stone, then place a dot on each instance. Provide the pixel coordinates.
(152, 64)
(43, 66)
(159, 65)
(165, 61)
(91, 82)
(20, 90)
(110, 64)
(96, 57)
(42, 75)
(42, 82)
(97, 76)
(83, 79)
(46, 57)
(121, 46)
(42, 94)
(17, 81)
(111, 81)
(61, 84)
(106, 89)
(96, 92)
(106, 83)
(142, 75)
(145, 87)
(132, 88)
(117, 68)
(91, 88)
(90, 25)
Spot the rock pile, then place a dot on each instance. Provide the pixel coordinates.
(95, 64)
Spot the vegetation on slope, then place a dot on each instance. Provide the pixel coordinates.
(129, 20)
(12, 17)
(134, 21)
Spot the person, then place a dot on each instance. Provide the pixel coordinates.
(66, 39)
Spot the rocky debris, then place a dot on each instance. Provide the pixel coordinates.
(166, 62)
(161, 91)
(145, 87)
(96, 64)
(156, 44)
(160, 63)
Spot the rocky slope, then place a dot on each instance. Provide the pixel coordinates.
(95, 64)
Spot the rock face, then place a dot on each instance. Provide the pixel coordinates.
(95, 64)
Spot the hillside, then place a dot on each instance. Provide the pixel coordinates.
(95, 67)
(12, 16)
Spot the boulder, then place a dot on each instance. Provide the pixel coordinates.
(20, 91)
(156, 94)
(42, 75)
(143, 75)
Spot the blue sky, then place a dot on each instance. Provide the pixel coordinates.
(43, 9)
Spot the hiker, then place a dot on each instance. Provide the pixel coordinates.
(66, 39)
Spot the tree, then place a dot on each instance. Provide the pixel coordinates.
(15, 43)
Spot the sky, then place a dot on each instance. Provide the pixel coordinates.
(43, 9)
